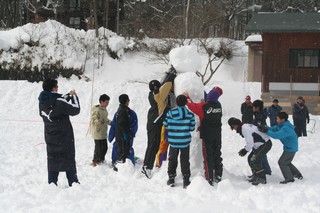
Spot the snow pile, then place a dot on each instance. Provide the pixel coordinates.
(191, 83)
(50, 42)
(185, 59)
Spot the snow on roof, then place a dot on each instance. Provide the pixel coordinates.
(254, 38)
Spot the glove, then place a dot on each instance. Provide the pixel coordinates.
(308, 120)
(172, 74)
(263, 128)
(242, 152)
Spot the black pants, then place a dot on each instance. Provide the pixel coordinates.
(255, 159)
(213, 151)
(153, 132)
(71, 176)
(184, 161)
(287, 168)
(300, 127)
(100, 150)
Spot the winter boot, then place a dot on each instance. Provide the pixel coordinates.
(146, 172)
(287, 181)
(170, 181)
(217, 178)
(258, 180)
(298, 176)
(186, 182)
(210, 182)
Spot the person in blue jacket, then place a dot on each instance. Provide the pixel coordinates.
(285, 132)
(179, 122)
(111, 136)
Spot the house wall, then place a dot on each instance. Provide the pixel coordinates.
(275, 58)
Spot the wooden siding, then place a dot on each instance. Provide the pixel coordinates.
(275, 58)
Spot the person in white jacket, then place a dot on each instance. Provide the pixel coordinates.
(258, 143)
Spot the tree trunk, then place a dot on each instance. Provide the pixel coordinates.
(95, 17)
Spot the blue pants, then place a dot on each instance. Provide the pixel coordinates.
(114, 155)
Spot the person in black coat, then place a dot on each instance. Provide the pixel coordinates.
(123, 129)
(300, 115)
(55, 110)
(247, 111)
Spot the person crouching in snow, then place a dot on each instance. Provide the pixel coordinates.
(258, 142)
(285, 132)
(179, 122)
(111, 136)
(123, 129)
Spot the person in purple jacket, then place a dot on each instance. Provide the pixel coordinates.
(285, 132)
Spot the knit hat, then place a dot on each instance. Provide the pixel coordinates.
(123, 98)
(218, 89)
(181, 100)
(275, 101)
(234, 121)
(154, 84)
(258, 103)
(49, 84)
(248, 97)
(213, 96)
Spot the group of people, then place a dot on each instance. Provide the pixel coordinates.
(170, 122)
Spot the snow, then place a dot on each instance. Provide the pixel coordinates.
(191, 83)
(23, 171)
(185, 59)
(254, 38)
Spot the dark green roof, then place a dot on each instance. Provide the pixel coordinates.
(284, 22)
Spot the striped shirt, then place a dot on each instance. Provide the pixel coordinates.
(179, 122)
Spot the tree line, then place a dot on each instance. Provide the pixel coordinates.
(152, 18)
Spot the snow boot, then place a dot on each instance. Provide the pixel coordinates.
(210, 182)
(287, 181)
(146, 172)
(170, 182)
(217, 178)
(258, 180)
(186, 182)
(298, 176)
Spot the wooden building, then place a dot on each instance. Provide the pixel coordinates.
(286, 58)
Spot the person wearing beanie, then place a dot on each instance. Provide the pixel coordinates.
(300, 115)
(210, 113)
(247, 111)
(158, 99)
(55, 111)
(273, 110)
(123, 131)
(179, 122)
(99, 129)
(258, 143)
(284, 131)
(260, 116)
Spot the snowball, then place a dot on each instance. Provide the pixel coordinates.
(191, 83)
(185, 59)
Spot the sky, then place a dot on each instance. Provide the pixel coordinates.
(23, 172)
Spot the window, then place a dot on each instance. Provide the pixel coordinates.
(74, 22)
(304, 58)
(74, 5)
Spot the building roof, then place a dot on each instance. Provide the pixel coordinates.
(284, 22)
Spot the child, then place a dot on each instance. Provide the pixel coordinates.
(179, 122)
(284, 131)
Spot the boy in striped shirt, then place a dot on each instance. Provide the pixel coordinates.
(179, 122)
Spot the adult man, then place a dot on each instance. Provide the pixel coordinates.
(55, 111)
(300, 115)
(258, 143)
(99, 129)
(246, 110)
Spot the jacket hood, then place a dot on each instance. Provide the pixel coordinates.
(288, 124)
(48, 98)
(213, 96)
(182, 113)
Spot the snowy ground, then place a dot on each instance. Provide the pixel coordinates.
(23, 171)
